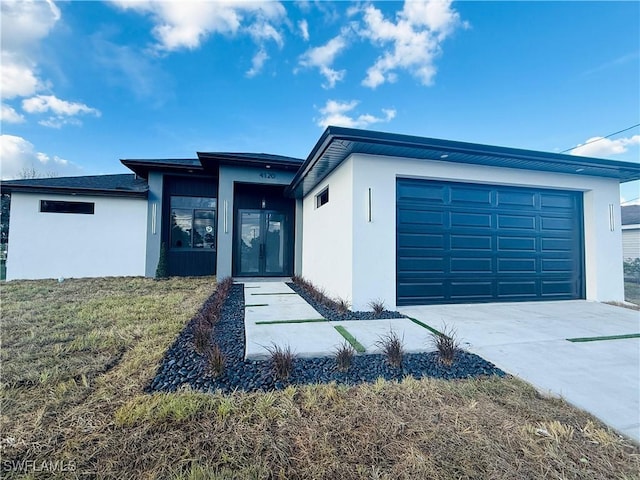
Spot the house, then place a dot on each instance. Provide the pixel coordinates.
(631, 232)
(367, 215)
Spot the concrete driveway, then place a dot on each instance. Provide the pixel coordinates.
(529, 340)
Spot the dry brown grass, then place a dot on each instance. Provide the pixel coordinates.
(486, 428)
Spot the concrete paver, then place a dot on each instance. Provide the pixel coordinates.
(415, 338)
(529, 340)
(276, 302)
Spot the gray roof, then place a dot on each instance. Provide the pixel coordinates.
(122, 185)
(337, 143)
(630, 214)
(141, 166)
(212, 159)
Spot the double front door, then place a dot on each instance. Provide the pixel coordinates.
(264, 243)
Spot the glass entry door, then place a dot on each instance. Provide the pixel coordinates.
(262, 243)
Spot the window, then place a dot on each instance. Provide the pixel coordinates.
(55, 206)
(193, 222)
(322, 197)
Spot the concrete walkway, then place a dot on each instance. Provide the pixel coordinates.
(529, 340)
(276, 315)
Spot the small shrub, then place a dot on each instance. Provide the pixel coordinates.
(318, 294)
(393, 348)
(281, 361)
(162, 270)
(377, 306)
(201, 334)
(344, 355)
(215, 360)
(342, 305)
(447, 345)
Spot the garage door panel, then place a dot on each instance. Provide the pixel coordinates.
(485, 243)
(556, 223)
(519, 221)
(422, 193)
(408, 240)
(517, 243)
(520, 265)
(421, 217)
(471, 289)
(511, 199)
(481, 220)
(422, 264)
(475, 265)
(557, 287)
(557, 265)
(554, 201)
(519, 289)
(471, 242)
(470, 196)
(556, 244)
(417, 290)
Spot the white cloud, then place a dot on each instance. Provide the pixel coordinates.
(50, 103)
(257, 63)
(9, 115)
(25, 23)
(18, 77)
(304, 29)
(187, 24)
(604, 147)
(63, 112)
(323, 57)
(413, 41)
(339, 114)
(19, 154)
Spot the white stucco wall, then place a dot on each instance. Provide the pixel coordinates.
(370, 247)
(111, 242)
(327, 243)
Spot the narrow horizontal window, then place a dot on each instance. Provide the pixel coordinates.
(56, 206)
(322, 197)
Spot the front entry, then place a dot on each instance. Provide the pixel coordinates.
(261, 243)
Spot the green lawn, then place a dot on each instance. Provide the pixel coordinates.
(76, 357)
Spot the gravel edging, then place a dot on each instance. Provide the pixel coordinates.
(331, 314)
(182, 365)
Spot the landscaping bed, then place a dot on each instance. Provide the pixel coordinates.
(184, 365)
(336, 315)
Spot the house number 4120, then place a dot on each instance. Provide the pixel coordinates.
(267, 175)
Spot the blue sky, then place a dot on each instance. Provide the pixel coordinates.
(87, 83)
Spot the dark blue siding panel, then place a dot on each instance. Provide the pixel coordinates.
(460, 243)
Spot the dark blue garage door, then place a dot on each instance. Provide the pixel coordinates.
(464, 243)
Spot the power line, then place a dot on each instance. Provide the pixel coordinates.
(602, 138)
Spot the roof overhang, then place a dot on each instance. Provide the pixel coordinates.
(337, 143)
(96, 192)
(141, 167)
(254, 160)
